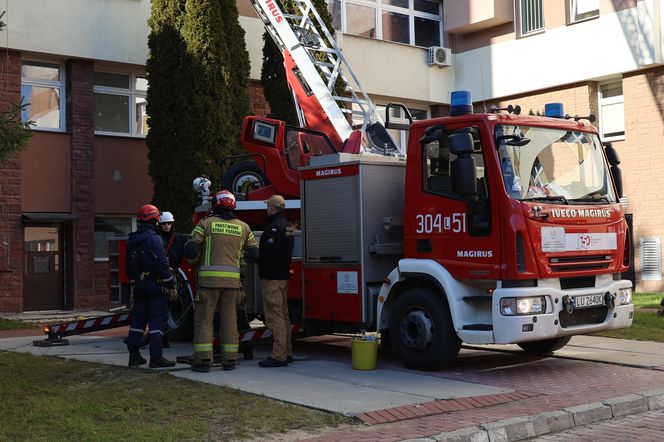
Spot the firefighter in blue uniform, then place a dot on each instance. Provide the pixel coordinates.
(153, 283)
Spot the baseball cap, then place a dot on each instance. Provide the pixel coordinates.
(277, 201)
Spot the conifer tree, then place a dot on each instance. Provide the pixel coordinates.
(197, 73)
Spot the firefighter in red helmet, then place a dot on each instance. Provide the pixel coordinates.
(153, 284)
(216, 247)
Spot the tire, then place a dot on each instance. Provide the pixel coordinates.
(181, 312)
(421, 330)
(244, 176)
(545, 346)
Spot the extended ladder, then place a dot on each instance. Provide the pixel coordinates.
(314, 63)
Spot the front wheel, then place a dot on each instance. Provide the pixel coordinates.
(181, 312)
(421, 330)
(545, 345)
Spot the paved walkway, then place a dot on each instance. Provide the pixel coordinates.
(503, 394)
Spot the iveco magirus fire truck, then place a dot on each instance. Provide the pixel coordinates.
(498, 228)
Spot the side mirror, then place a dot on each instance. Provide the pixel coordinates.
(463, 176)
(611, 154)
(432, 134)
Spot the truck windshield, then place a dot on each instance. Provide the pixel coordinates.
(556, 165)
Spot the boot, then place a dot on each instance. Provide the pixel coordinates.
(135, 358)
(201, 367)
(161, 362)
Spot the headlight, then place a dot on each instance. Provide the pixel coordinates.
(624, 296)
(523, 306)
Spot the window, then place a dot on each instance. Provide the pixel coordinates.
(438, 165)
(107, 227)
(532, 16)
(120, 104)
(414, 22)
(580, 10)
(42, 88)
(612, 111)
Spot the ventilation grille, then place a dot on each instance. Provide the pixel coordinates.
(651, 259)
(579, 262)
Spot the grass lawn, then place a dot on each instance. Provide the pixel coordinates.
(48, 398)
(8, 324)
(646, 327)
(647, 300)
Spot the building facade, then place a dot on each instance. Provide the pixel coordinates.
(81, 65)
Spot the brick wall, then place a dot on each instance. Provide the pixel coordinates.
(258, 105)
(642, 156)
(11, 229)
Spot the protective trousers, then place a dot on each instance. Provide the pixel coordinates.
(208, 300)
(275, 305)
(152, 312)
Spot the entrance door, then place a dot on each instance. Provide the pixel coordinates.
(43, 280)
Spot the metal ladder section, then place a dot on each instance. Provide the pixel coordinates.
(298, 34)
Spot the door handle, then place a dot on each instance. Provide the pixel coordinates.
(424, 246)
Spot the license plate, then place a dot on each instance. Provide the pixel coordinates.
(588, 301)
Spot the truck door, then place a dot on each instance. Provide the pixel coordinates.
(449, 224)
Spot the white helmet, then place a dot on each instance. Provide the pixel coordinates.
(166, 217)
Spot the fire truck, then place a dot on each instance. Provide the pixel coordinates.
(493, 228)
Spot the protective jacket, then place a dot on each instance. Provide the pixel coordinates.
(174, 244)
(223, 243)
(146, 263)
(276, 248)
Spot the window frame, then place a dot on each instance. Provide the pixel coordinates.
(529, 33)
(379, 7)
(132, 93)
(48, 84)
(573, 18)
(403, 134)
(601, 102)
(134, 225)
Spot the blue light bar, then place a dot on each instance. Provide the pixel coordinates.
(461, 103)
(554, 110)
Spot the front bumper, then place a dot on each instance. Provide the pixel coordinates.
(556, 322)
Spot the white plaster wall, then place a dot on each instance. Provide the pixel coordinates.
(111, 30)
(613, 44)
(396, 70)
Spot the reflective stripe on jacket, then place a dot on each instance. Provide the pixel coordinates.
(223, 242)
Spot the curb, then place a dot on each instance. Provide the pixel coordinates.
(525, 427)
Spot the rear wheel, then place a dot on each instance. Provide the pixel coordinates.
(243, 177)
(545, 346)
(421, 330)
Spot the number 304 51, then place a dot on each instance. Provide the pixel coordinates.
(431, 223)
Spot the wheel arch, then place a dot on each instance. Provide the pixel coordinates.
(417, 273)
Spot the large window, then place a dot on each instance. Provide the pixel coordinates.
(120, 105)
(531, 16)
(580, 10)
(612, 111)
(107, 227)
(414, 22)
(42, 89)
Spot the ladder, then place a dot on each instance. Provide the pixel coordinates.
(314, 63)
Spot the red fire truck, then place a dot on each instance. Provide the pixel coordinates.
(497, 228)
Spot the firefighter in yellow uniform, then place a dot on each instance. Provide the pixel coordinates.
(217, 245)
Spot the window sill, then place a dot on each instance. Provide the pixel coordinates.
(533, 33)
(612, 139)
(581, 20)
(120, 135)
(101, 260)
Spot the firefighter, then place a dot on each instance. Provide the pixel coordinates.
(276, 250)
(173, 241)
(174, 244)
(216, 247)
(153, 284)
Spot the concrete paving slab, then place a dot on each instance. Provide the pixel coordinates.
(600, 349)
(310, 381)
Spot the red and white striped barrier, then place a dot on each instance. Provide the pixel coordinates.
(87, 325)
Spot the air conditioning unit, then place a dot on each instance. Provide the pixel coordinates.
(439, 56)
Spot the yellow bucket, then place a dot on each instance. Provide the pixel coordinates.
(364, 354)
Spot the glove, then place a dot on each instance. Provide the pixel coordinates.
(172, 295)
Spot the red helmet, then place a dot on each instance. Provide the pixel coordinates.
(148, 212)
(224, 200)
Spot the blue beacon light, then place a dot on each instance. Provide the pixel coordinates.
(461, 103)
(554, 110)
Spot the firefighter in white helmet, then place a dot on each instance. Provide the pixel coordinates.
(216, 247)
